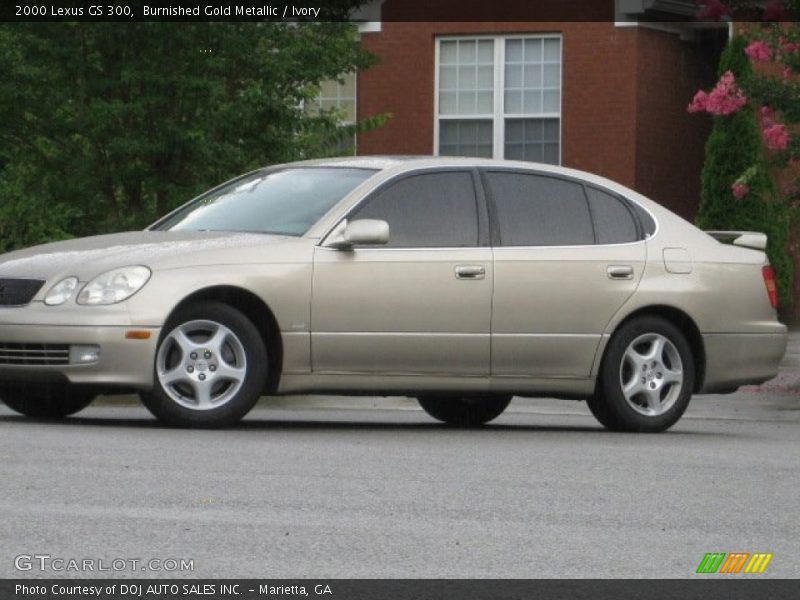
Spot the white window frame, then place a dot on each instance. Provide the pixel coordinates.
(499, 115)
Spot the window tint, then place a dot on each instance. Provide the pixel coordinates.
(535, 210)
(427, 211)
(613, 222)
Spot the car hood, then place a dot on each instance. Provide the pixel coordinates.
(88, 257)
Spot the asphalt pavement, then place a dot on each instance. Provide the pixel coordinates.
(372, 487)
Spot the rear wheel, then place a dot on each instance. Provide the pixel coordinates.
(646, 379)
(464, 411)
(211, 367)
(47, 401)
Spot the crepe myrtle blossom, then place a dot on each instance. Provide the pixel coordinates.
(740, 190)
(758, 51)
(725, 99)
(774, 134)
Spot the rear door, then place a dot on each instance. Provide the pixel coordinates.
(566, 258)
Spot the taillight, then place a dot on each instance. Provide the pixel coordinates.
(769, 281)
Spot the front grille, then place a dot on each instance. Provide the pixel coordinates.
(34, 354)
(18, 292)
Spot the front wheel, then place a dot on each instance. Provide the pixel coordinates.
(47, 401)
(464, 411)
(647, 377)
(211, 367)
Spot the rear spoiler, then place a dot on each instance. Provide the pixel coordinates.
(746, 239)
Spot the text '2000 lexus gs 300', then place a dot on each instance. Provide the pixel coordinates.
(461, 282)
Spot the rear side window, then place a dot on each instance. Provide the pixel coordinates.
(613, 221)
(648, 224)
(537, 210)
(429, 210)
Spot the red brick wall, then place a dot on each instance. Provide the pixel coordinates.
(669, 141)
(623, 100)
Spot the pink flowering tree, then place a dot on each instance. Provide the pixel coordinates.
(760, 94)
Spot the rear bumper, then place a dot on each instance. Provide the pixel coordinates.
(735, 359)
(122, 362)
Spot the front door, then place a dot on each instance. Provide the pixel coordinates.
(421, 304)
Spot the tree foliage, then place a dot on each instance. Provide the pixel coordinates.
(107, 125)
(735, 155)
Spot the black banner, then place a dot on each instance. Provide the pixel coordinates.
(132, 11)
(398, 589)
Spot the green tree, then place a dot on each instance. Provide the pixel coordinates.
(107, 125)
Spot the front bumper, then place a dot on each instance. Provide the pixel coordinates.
(735, 359)
(122, 362)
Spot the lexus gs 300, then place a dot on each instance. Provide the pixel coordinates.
(461, 282)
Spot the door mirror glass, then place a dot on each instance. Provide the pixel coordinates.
(361, 232)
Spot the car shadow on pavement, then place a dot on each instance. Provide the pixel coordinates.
(285, 424)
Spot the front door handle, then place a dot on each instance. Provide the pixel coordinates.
(620, 272)
(470, 272)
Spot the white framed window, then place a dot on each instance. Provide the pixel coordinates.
(339, 96)
(499, 97)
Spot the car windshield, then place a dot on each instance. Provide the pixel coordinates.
(283, 202)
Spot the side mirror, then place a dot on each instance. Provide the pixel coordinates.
(362, 232)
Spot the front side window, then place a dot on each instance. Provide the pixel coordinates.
(537, 210)
(500, 97)
(430, 210)
(283, 202)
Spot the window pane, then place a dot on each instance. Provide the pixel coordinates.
(613, 222)
(448, 78)
(513, 51)
(467, 69)
(448, 53)
(427, 211)
(465, 138)
(448, 103)
(552, 76)
(551, 101)
(467, 52)
(532, 139)
(533, 50)
(552, 50)
(486, 52)
(535, 210)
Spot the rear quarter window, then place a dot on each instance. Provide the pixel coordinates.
(614, 221)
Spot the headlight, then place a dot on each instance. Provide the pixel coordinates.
(114, 286)
(61, 292)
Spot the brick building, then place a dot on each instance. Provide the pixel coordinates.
(606, 96)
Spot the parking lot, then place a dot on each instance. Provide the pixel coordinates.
(372, 487)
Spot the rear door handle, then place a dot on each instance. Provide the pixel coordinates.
(620, 272)
(470, 272)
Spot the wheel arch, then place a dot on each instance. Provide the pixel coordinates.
(257, 311)
(682, 321)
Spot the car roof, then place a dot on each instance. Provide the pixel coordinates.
(403, 163)
(382, 163)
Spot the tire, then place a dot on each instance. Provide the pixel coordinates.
(47, 402)
(646, 378)
(464, 411)
(210, 368)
